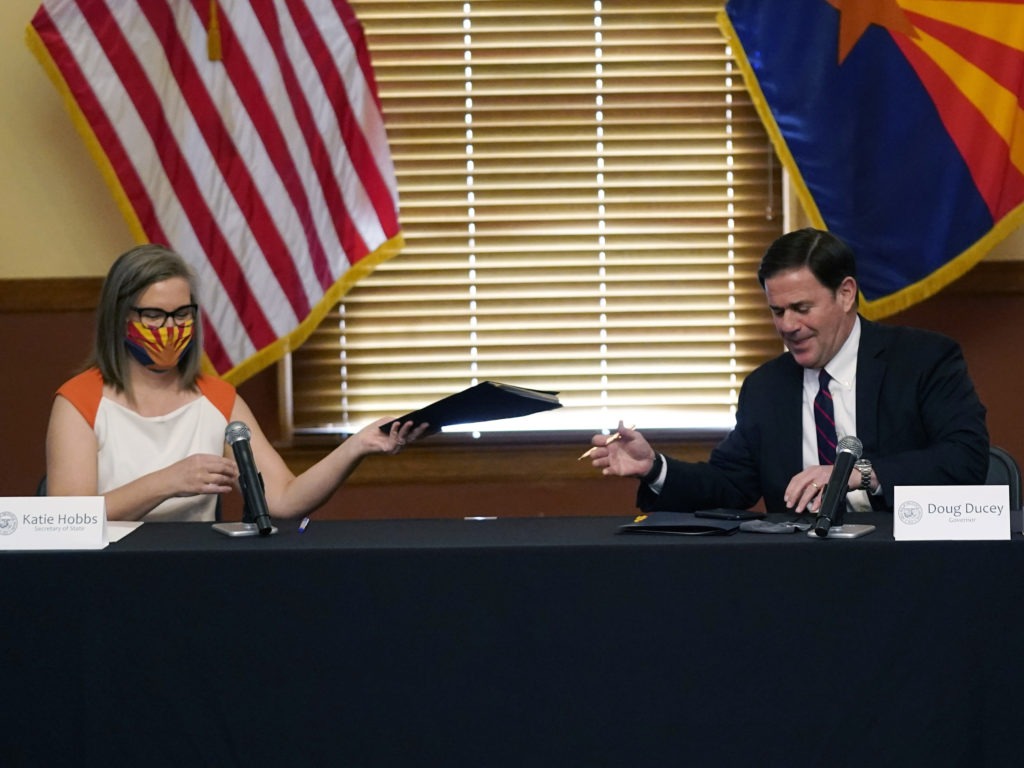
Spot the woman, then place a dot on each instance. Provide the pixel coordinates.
(144, 428)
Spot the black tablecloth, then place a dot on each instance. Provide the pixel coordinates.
(512, 642)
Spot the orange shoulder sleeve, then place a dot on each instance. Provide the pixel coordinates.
(218, 392)
(84, 392)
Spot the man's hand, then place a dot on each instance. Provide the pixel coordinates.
(804, 492)
(624, 453)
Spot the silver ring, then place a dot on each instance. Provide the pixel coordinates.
(816, 486)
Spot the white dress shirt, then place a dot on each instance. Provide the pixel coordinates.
(843, 370)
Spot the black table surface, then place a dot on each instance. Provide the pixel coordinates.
(474, 532)
(516, 641)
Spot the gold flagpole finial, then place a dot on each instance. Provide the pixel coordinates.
(213, 52)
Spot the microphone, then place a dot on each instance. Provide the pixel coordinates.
(237, 436)
(833, 501)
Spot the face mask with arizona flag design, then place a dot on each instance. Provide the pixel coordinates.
(158, 349)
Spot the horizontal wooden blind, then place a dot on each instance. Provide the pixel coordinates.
(585, 194)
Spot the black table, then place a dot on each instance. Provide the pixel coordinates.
(518, 642)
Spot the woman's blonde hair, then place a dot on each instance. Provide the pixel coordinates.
(132, 273)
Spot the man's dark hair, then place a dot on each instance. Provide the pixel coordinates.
(829, 258)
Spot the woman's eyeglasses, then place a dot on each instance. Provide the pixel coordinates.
(152, 317)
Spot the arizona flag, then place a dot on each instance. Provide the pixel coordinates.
(900, 122)
(244, 134)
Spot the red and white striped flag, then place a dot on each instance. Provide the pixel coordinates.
(245, 135)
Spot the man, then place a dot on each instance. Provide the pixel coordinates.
(905, 393)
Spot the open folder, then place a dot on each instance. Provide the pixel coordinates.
(487, 401)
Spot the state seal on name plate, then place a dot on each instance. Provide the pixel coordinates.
(910, 512)
(8, 522)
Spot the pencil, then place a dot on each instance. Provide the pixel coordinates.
(609, 441)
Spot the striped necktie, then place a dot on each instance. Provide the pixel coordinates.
(825, 420)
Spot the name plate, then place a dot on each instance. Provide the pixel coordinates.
(53, 522)
(943, 512)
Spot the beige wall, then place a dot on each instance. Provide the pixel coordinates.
(59, 218)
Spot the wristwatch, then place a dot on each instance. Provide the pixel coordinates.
(864, 466)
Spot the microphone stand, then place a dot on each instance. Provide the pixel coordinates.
(833, 505)
(839, 530)
(247, 527)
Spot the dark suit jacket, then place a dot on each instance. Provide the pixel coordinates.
(918, 416)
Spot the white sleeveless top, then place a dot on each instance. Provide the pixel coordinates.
(131, 445)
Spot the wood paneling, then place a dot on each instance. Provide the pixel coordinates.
(59, 294)
(47, 324)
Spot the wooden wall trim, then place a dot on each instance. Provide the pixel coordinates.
(438, 460)
(433, 461)
(991, 277)
(81, 294)
(50, 294)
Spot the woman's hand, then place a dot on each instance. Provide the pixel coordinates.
(372, 440)
(202, 473)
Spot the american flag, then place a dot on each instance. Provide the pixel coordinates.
(248, 137)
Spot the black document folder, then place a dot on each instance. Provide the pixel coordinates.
(487, 401)
(680, 524)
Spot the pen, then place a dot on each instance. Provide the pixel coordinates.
(303, 524)
(609, 441)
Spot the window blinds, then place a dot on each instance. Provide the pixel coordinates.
(585, 191)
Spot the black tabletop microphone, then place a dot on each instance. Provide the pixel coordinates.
(237, 436)
(833, 501)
